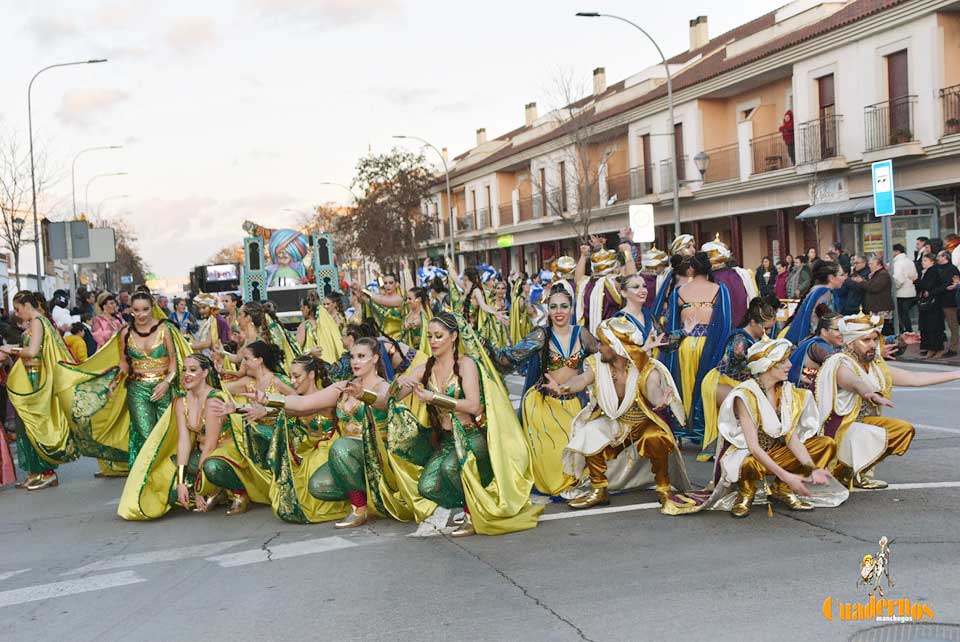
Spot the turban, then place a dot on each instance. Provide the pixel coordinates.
(536, 293)
(603, 262)
(766, 353)
(858, 326)
(208, 300)
(426, 274)
(487, 273)
(654, 258)
(717, 251)
(625, 338)
(566, 265)
(290, 241)
(680, 241)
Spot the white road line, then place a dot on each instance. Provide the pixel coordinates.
(68, 587)
(282, 551)
(930, 389)
(919, 485)
(955, 431)
(9, 574)
(151, 557)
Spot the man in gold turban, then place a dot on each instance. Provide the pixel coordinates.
(852, 388)
(598, 296)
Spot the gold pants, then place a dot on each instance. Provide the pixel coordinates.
(651, 441)
(821, 448)
(899, 435)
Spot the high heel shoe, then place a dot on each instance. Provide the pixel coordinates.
(46, 480)
(359, 516)
(466, 528)
(29, 479)
(212, 501)
(240, 505)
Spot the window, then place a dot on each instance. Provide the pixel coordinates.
(826, 112)
(563, 186)
(543, 190)
(678, 151)
(647, 165)
(488, 210)
(898, 90)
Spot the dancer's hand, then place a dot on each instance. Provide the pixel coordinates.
(421, 393)
(551, 385)
(255, 395)
(795, 482)
(255, 411)
(201, 503)
(220, 408)
(183, 495)
(819, 477)
(878, 400)
(159, 391)
(654, 341)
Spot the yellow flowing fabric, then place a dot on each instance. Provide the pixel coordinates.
(547, 421)
(390, 320)
(255, 480)
(146, 493)
(280, 337)
(711, 411)
(46, 423)
(157, 312)
(520, 324)
(503, 506)
(690, 350)
(327, 336)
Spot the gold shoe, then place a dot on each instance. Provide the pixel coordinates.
(868, 483)
(212, 501)
(43, 481)
(663, 493)
(466, 528)
(596, 497)
(240, 505)
(745, 492)
(782, 493)
(27, 481)
(359, 516)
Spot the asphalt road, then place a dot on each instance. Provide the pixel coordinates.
(71, 569)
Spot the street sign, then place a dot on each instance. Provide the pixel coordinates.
(505, 240)
(884, 202)
(102, 246)
(126, 279)
(641, 222)
(79, 240)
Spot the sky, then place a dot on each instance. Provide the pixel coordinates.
(237, 110)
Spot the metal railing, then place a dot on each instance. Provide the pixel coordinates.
(466, 222)
(950, 101)
(483, 218)
(547, 203)
(724, 163)
(525, 208)
(506, 213)
(666, 173)
(770, 153)
(889, 123)
(618, 186)
(818, 139)
(641, 181)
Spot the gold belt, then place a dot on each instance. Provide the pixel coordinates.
(148, 377)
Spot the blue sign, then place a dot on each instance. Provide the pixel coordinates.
(884, 203)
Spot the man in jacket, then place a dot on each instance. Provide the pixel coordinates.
(800, 277)
(950, 278)
(877, 296)
(850, 292)
(904, 274)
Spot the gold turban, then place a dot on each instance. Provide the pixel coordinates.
(625, 339)
(858, 326)
(603, 262)
(766, 353)
(565, 267)
(718, 252)
(654, 258)
(208, 300)
(680, 241)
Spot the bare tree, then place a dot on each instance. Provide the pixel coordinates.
(581, 165)
(129, 261)
(229, 254)
(15, 193)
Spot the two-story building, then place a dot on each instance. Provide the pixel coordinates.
(864, 80)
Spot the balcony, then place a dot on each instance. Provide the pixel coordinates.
(724, 163)
(770, 153)
(618, 188)
(950, 101)
(483, 218)
(506, 213)
(548, 203)
(890, 123)
(818, 145)
(466, 222)
(641, 181)
(525, 209)
(666, 173)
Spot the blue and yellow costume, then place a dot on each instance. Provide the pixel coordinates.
(802, 326)
(731, 371)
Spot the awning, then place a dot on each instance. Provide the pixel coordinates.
(908, 199)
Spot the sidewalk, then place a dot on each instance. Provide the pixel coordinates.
(912, 355)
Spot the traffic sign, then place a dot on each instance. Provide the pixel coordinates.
(884, 202)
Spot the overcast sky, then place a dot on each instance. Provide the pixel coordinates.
(234, 110)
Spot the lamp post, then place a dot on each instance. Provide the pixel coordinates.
(86, 193)
(446, 171)
(73, 171)
(33, 178)
(673, 133)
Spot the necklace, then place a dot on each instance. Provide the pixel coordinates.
(146, 334)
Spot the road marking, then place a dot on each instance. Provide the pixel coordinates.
(282, 551)
(918, 485)
(68, 587)
(955, 431)
(930, 389)
(9, 574)
(151, 557)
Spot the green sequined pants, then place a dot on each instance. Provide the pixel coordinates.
(342, 473)
(440, 480)
(220, 473)
(193, 467)
(144, 414)
(28, 458)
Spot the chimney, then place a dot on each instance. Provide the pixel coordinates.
(599, 81)
(481, 136)
(529, 114)
(699, 34)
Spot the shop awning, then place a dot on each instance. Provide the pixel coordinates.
(908, 199)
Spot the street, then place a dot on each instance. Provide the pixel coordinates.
(72, 569)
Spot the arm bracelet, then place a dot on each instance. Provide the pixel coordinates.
(276, 401)
(181, 474)
(170, 376)
(443, 401)
(369, 397)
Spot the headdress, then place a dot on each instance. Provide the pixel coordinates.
(290, 241)
(566, 266)
(718, 252)
(766, 353)
(680, 241)
(425, 275)
(208, 300)
(654, 258)
(625, 339)
(487, 273)
(603, 262)
(858, 326)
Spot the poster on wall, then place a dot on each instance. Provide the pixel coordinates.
(873, 238)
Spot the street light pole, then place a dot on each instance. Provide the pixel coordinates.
(73, 171)
(446, 171)
(673, 133)
(86, 193)
(33, 178)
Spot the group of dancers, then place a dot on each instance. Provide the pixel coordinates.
(398, 406)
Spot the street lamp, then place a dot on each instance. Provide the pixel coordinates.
(86, 194)
(109, 198)
(33, 178)
(702, 161)
(18, 227)
(673, 133)
(446, 171)
(73, 171)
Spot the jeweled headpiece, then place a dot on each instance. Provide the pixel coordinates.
(603, 262)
